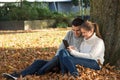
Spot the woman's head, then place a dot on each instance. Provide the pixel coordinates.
(88, 28)
(76, 23)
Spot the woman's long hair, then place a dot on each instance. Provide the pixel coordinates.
(88, 25)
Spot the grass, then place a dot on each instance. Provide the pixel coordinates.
(18, 49)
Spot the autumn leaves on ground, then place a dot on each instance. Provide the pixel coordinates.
(18, 49)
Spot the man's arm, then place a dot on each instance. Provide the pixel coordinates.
(62, 45)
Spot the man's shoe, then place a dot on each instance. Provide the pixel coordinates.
(15, 74)
(9, 76)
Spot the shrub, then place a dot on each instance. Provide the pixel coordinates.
(33, 11)
(62, 25)
(75, 2)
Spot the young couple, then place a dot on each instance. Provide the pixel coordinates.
(86, 47)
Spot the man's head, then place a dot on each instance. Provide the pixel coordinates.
(76, 26)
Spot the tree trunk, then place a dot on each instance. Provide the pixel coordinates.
(107, 14)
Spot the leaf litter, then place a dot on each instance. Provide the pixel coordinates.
(18, 49)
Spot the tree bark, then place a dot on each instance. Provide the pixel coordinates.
(107, 14)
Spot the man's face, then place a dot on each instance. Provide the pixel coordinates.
(76, 31)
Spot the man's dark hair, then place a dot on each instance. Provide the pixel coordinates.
(77, 21)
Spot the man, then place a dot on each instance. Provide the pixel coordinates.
(73, 36)
(40, 67)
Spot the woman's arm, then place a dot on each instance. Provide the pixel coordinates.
(96, 50)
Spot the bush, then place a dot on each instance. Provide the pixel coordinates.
(75, 2)
(63, 19)
(28, 11)
(33, 11)
(62, 25)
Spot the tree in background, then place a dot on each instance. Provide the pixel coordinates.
(107, 14)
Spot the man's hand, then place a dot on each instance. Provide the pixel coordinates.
(71, 48)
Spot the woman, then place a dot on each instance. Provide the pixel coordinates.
(91, 50)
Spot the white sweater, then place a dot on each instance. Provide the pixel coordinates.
(92, 48)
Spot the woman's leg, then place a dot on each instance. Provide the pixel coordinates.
(33, 68)
(48, 66)
(88, 63)
(69, 62)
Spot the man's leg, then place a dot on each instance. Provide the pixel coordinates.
(67, 63)
(48, 66)
(63, 53)
(32, 69)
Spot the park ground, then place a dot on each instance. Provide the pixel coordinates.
(18, 49)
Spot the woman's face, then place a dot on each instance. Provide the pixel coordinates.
(86, 34)
(76, 31)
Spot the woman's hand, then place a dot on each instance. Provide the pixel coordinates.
(71, 48)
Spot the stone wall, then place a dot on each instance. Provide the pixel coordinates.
(26, 25)
(12, 25)
(39, 24)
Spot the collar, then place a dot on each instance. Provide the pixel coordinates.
(91, 38)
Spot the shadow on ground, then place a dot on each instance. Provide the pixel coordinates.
(18, 59)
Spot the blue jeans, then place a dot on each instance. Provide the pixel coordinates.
(39, 67)
(68, 62)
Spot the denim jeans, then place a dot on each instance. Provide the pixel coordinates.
(49, 66)
(39, 67)
(68, 62)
